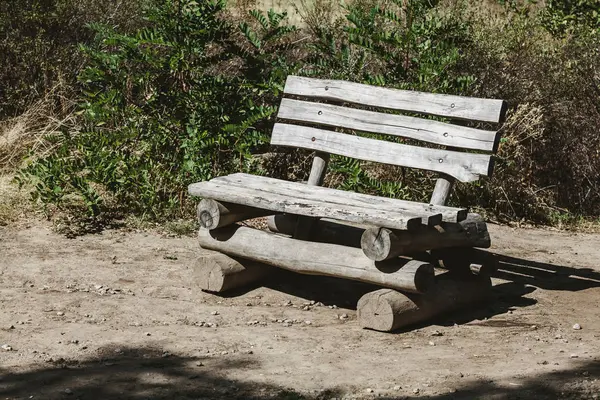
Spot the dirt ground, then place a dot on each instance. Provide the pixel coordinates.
(117, 316)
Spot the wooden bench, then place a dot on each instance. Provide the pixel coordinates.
(324, 231)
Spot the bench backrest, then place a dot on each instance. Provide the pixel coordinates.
(452, 160)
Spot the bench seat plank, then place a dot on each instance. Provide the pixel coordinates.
(297, 198)
(335, 196)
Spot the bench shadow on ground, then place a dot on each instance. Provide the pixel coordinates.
(145, 373)
(513, 281)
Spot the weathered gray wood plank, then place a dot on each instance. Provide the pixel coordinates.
(332, 196)
(307, 206)
(389, 124)
(458, 107)
(466, 167)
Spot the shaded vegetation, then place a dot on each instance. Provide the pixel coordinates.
(170, 92)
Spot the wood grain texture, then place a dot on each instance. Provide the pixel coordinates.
(216, 272)
(456, 107)
(388, 310)
(213, 214)
(390, 124)
(310, 206)
(313, 258)
(298, 190)
(442, 190)
(381, 244)
(466, 167)
(305, 225)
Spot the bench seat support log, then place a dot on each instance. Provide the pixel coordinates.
(383, 244)
(217, 273)
(324, 231)
(317, 258)
(388, 310)
(213, 214)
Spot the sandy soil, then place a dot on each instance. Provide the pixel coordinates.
(117, 315)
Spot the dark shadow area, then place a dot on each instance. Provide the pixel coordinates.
(141, 373)
(523, 277)
(148, 373)
(546, 276)
(327, 290)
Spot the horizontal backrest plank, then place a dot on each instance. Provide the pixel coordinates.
(465, 167)
(457, 107)
(389, 124)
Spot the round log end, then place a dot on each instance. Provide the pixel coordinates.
(380, 310)
(376, 243)
(210, 275)
(208, 214)
(424, 276)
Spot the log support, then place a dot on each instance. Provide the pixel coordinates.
(305, 225)
(216, 272)
(383, 244)
(314, 258)
(388, 310)
(213, 214)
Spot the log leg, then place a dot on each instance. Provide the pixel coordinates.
(387, 310)
(217, 273)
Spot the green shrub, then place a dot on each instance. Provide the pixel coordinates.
(186, 98)
(400, 44)
(549, 163)
(561, 17)
(39, 44)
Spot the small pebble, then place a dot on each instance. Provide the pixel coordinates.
(431, 344)
(416, 391)
(6, 347)
(307, 322)
(68, 391)
(215, 313)
(577, 327)
(60, 313)
(148, 334)
(437, 333)
(574, 356)
(369, 390)
(11, 327)
(559, 336)
(397, 387)
(344, 316)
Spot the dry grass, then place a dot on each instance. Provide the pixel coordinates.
(15, 204)
(28, 133)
